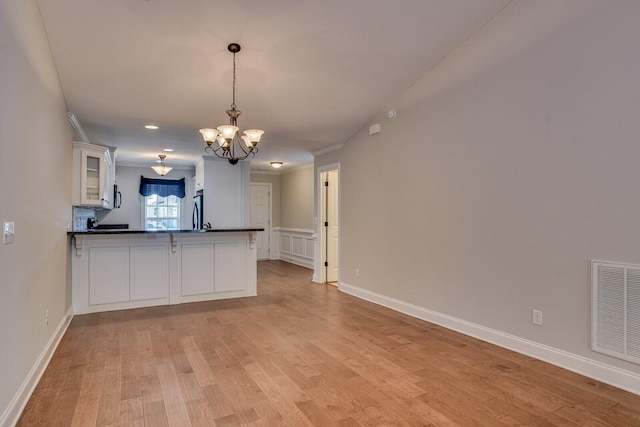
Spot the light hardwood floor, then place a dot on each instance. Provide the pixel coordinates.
(302, 354)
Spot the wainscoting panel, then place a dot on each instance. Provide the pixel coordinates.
(296, 246)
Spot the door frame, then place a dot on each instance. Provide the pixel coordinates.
(320, 272)
(269, 228)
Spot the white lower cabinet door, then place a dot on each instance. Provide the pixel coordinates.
(149, 272)
(197, 269)
(108, 274)
(231, 267)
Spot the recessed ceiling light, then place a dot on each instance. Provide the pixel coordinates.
(168, 150)
(152, 127)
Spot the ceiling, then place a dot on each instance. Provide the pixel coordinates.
(310, 73)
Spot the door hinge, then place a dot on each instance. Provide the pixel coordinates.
(326, 223)
(326, 183)
(326, 264)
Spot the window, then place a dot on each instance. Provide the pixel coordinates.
(161, 210)
(161, 213)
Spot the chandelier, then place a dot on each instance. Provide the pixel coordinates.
(223, 140)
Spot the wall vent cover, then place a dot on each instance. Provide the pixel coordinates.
(616, 310)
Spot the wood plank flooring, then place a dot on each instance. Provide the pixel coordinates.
(302, 354)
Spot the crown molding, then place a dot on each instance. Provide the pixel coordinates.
(328, 149)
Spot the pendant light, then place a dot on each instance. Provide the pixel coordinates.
(161, 169)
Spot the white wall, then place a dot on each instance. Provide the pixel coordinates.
(35, 172)
(130, 212)
(514, 163)
(226, 193)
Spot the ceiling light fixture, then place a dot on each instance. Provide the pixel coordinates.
(276, 165)
(151, 127)
(162, 169)
(226, 136)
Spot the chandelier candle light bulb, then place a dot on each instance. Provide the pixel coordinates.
(227, 135)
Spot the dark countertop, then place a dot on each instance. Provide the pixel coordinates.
(126, 231)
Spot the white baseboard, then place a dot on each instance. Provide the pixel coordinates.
(608, 374)
(297, 260)
(11, 415)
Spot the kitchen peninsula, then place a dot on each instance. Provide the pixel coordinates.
(123, 269)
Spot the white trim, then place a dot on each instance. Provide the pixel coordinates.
(608, 374)
(329, 149)
(319, 271)
(294, 230)
(14, 410)
(75, 123)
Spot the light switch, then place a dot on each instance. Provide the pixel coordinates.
(8, 232)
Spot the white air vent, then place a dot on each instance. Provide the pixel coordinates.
(616, 310)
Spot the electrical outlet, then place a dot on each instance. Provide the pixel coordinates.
(537, 317)
(357, 272)
(46, 317)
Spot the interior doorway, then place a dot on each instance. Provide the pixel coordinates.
(260, 217)
(329, 230)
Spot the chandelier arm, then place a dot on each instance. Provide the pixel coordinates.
(239, 143)
(216, 152)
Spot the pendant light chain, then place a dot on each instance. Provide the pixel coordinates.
(233, 104)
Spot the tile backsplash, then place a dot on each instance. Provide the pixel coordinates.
(80, 216)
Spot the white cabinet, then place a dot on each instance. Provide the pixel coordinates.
(197, 269)
(230, 267)
(90, 175)
(213, 268)
(119, 272)
(108, 284)
(128, 273)
(114, 271)
(148, 272)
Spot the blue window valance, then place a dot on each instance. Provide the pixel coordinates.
(162, 187)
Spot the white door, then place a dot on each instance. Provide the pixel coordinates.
(332, 225)
(261, 216)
